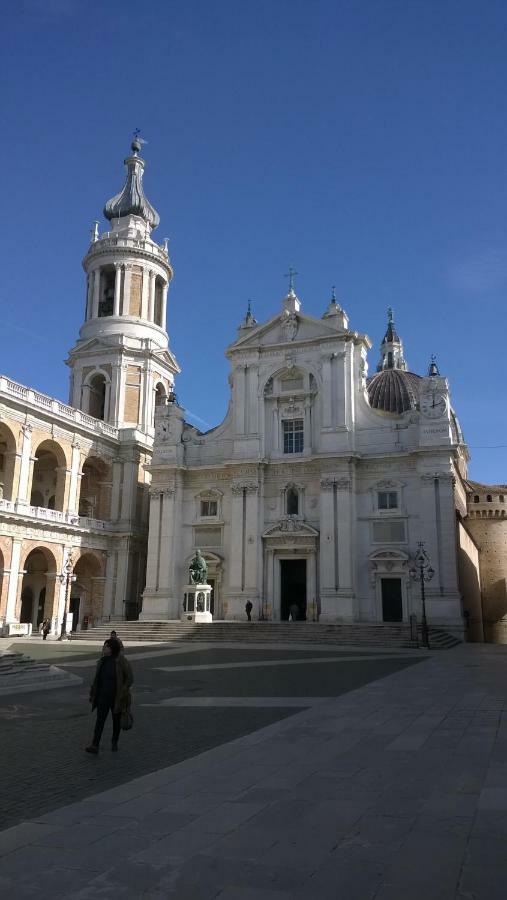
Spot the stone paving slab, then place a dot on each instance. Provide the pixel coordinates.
(397, 789)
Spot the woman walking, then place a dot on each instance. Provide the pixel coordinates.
(110, 691)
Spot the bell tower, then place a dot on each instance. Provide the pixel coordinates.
(121, 366)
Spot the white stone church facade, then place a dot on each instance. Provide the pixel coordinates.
(311, 497)
(309, 500)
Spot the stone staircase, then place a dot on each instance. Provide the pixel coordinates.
(19, 672)
(382, 635)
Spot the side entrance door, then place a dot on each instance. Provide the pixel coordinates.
(392, 603)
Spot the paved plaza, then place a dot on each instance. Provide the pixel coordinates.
(264, 773)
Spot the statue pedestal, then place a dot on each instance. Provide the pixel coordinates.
(197, 603)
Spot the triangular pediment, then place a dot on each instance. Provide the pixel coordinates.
(290, 525)
(288, 330)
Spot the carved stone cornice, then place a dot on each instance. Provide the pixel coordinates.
(328, 482)
(248, 487)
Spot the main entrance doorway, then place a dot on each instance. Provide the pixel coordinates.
(392, 603)
(293, 589)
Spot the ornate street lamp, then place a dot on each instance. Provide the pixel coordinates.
(67, 577)
(422, 571)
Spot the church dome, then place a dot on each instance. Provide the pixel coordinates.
(393, 391)
(131, 201)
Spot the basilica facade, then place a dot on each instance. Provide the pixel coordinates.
(312, 497)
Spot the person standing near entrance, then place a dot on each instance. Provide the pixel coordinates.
(115, 636)
(46, 628)
(110, 692)
(248, 610)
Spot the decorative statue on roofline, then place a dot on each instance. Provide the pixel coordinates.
(198, 569)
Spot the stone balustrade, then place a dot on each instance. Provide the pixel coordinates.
(62, 410)
(53, 515)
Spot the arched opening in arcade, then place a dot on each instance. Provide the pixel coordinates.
(7, 462)
(38, 587)
(48, 478)
(95, 490)
(87, 593)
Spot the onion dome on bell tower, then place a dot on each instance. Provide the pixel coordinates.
(131, 200)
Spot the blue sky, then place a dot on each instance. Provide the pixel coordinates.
(363, 143)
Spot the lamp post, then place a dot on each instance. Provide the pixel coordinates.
(422, 571)
(66, 577)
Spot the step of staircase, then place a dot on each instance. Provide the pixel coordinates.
(269, 632)
(19, 672)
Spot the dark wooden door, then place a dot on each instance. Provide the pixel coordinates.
(392, 604)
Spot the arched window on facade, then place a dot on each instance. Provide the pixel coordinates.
(97, 397)
(106, 301)
(160, 397)
(489, 498)
(292, 501)
(159, 299)
(476, 498)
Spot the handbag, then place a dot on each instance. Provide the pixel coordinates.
(126, 720)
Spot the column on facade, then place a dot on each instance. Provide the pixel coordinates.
(327, 551)
(129, 490)
(151, 297)
(107, 609)
(237, 554)
(239, 399)
(26, 465)
(251, 542)
(307, 425)
(120, 594)
(122, 376)
(14, 581)
(89, 296)
(312, 599)
(116, 489)
(145, 293)
(167, 572)
(447, 538)
(269, 582)
(117, 289)
(327, 417)
(164, 306)
(96, 293)
(97, 599)
(276, 427)
(253, 402)
(344, 546)
(75, 480)
(154, 543)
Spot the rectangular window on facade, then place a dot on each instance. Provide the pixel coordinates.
(387, 500)
(389, 532)
(209, 508)
(293, 436)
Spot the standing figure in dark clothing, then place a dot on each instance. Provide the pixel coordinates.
(248, 610)
(110, 691)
